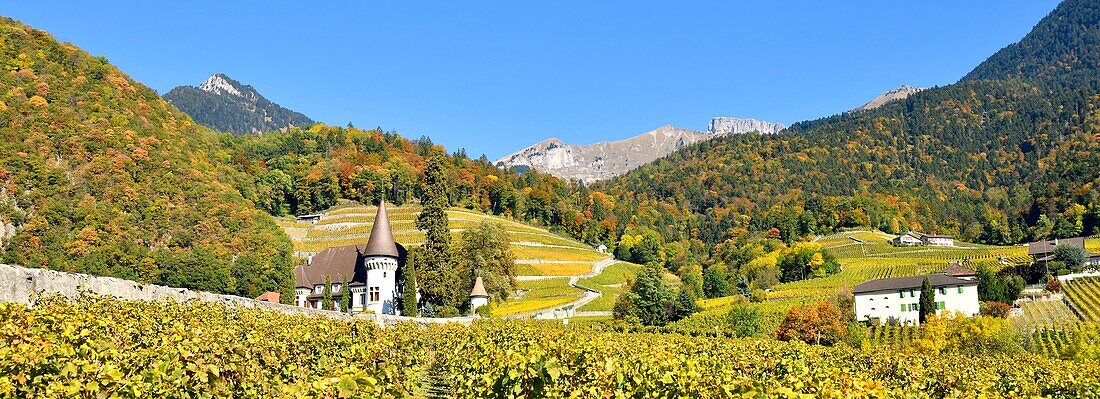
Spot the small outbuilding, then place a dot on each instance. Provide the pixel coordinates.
(478, 295)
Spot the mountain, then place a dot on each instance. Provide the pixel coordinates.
(900, 93)
(226, 105)
(603, 160)
(1063, 46)
(607, 159)
(721, 125)
(1008, 154)
(100, 175)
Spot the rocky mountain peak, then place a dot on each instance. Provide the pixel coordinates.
(724, 125)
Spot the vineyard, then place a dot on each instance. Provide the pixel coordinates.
(1084, 293)
(1044, 314)
(107, 348)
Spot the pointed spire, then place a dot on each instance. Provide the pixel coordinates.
(479, 289)
(381, 236)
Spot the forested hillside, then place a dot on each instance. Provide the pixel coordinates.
(994, 161)
(99, 175)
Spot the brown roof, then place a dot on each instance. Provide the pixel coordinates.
(957, 270)
(270, 296)
(908, 283)
(479, 289)
(336, 262)
(1046, 247)
(381, 241)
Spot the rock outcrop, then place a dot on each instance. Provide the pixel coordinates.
(722, 125)
(895, 94)
(601, 160)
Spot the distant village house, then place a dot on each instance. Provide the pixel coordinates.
(906, 240)
(934, 240)
(1043, 251)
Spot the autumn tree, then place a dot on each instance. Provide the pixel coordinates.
(820, 323)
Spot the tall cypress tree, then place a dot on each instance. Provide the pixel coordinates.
(927, 300)
(439, 277)
(408, 293)
(345, 296)
(326, 296)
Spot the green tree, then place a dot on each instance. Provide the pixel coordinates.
(716, 283)
(990, 286)
(1071, 255)
(326, 295)
(408, 292)
(439, 282)
(647, 299)
(486, 249)
(927, 300)
(345, 296)
(743, 321)
(685, 305)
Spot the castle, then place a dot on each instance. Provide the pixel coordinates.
(371, 273)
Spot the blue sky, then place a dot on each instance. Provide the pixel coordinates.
(493, 77)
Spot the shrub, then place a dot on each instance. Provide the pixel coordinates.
(743, 321)
(995, 309)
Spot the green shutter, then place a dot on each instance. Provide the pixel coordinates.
(960, 289)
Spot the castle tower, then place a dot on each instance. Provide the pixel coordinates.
(478, 296)
(380, 259)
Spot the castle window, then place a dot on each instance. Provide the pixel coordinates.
(374, 294)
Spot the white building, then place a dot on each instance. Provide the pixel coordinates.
(478, 296)
(898, 298)
(906, 240)
(370, 272)
(933, 240)
(601, 249)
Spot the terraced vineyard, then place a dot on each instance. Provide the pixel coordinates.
(610, 284)
(537, 295)
(1044, 315)
(1084, 293)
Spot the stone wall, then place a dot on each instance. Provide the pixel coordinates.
(25, 285)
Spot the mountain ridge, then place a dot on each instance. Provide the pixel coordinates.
(224, 104)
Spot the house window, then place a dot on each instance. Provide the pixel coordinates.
(374, 294)
(939, 305)
(318, 288)
(902, 294)
(943, 291)
(960, 289)
(314, 304)
(362, 298)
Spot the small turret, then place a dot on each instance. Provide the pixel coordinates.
(478, 295)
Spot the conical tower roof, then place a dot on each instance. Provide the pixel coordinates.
(479, 289)
(381, 236)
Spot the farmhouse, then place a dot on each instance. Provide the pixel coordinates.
(905, 240)
(371, 272)
(1043, 251)
(933, 240)
(898, 298)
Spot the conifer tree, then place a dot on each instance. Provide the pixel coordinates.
(439, 282)
(408, 293)
(927, 300)
(345, 296)
(326, 296)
